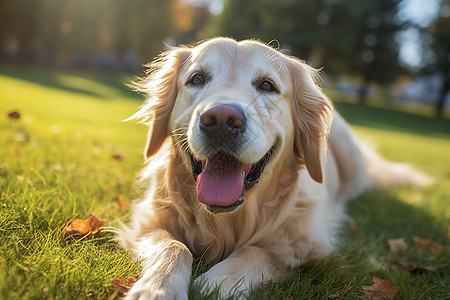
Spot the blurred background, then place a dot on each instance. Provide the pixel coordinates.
(395, 48)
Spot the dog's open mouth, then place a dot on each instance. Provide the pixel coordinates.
(222, 180)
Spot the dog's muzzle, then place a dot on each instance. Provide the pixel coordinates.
(222, 178)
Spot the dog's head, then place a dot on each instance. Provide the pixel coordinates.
(232, 110)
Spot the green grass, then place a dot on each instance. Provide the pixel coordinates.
(56, 165)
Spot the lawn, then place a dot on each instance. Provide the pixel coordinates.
(69, 155)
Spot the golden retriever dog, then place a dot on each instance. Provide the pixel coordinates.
(248, 166)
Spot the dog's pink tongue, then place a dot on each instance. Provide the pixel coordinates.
(221, 181)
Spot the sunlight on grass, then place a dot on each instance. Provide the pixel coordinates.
(87, 86)
(56, 164)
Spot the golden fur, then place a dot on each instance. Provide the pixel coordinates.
(289, 217)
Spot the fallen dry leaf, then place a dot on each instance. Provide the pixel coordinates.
(14, 115)
(426, 243)
(117, 156)
(89, 226)
(414, 268)
(380, 290)
(396, 245)
(122, 286)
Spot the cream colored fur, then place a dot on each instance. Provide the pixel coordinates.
(289, 217)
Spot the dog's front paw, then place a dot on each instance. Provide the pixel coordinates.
(150, 289)
(222, 284)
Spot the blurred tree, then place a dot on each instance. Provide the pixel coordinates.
(138, 26)
(293, 23)
(101, 33)
(297, 24)
(240, 20)
(18, 28)
(151, 24)
(440, 31)
(363, 41)
(346, 36)
(189, 18)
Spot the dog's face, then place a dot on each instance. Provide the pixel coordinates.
(232, 110)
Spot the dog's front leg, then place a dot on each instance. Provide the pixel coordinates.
(244, 271)
(167, 266)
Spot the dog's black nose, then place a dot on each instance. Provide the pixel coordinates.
(223, 119)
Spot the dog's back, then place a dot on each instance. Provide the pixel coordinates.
(360, 167)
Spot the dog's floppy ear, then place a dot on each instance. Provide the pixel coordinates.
(160, 89)
(312, 115)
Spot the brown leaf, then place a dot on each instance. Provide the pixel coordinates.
(414, 268)
(396, 245)
(117, 156)
(426, 243)
(380, 290)
(14, 115)
(120, 285)
(89, 226)
(124, 287)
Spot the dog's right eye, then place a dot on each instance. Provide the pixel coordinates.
(197, 79)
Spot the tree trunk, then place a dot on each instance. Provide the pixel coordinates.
(364, 88)
(440, 105)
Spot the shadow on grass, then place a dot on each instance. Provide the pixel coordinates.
(364, 252)
(104, 86)
(384, 118)
(380, 213)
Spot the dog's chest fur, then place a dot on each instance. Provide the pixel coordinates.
(216, 236)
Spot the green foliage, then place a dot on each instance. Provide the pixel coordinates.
(349, 36)
(56, 165)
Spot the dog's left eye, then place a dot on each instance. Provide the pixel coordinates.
(266, 86)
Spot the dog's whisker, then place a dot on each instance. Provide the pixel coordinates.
(182, 129)
(183, 144)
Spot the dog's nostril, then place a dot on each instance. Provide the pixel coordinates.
(235, 122)
(208, 120)
(223, 117)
